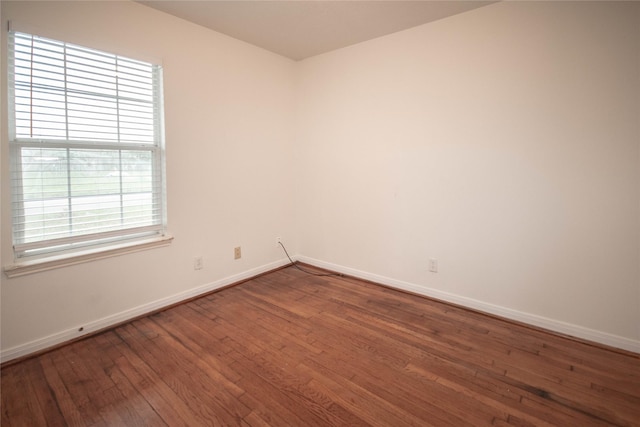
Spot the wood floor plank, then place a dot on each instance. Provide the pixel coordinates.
(78, 387)
(361, 400)
(147, 384)
(101, 392)
(291, 349)
(18, 404)
(131, 406)
(162, 372)
(193, 385)
(44, 394)
(423, 403)
(63, 398)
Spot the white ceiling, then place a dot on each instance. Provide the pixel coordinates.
(303, 28)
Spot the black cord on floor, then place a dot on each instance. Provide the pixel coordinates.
(294, 264)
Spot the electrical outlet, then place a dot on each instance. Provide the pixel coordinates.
(433, 265)
(237, 253)
(278, 240)
(198, 263)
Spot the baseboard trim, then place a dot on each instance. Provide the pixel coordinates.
(60, 338)
(504, 312)
(63, 337)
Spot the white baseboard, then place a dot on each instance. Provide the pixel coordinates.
(531, 319)
(123, 316)
(508, 313)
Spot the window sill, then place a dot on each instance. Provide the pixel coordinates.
(23, 268)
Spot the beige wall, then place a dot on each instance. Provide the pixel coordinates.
(228, 109)
(504, 142)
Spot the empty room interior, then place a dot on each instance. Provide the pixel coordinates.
(362, 213)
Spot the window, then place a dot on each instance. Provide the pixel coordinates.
(85, 136)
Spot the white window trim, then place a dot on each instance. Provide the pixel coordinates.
(65, 260)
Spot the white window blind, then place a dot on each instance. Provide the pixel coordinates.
(86, 146)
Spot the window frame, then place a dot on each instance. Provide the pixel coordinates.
(53, 253)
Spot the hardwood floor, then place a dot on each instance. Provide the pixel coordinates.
(289, 349)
